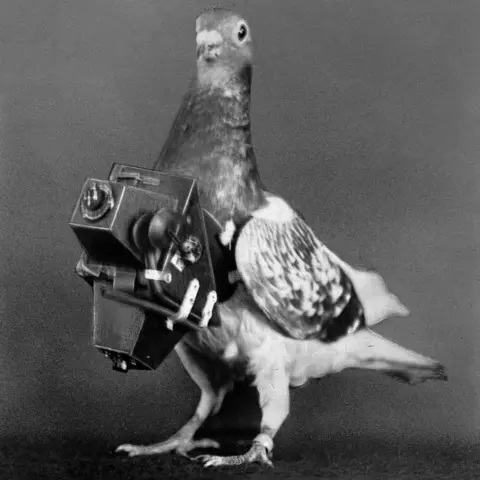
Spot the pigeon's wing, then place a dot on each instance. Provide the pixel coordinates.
(297, 282)
(292, 278)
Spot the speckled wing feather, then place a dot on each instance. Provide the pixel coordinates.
(292, 277)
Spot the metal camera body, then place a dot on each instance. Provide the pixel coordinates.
(152, 255)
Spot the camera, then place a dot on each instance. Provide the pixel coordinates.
(153, 258)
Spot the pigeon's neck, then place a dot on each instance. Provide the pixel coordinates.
(225, 106)
(211, 141)
(224, 93)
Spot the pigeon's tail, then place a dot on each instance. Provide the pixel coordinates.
(368, 350)
(377, 300)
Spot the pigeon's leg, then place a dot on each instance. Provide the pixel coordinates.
(210, 402)
(274, 399)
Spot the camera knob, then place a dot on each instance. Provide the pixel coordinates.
(97, 200)
(162, 228)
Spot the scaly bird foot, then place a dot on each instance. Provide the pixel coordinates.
(256, 454)
(178, 445)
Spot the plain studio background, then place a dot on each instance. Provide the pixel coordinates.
(365, 116)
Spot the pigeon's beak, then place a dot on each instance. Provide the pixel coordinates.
(208, 44)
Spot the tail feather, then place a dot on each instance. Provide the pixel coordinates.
(368, 350)
(377, 301)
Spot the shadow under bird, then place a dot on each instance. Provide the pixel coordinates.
(298, 311)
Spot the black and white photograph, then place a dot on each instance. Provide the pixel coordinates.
(239, 240)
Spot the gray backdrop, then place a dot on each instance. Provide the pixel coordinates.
(365, 116)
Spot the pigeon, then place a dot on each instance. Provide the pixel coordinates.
(298, 311)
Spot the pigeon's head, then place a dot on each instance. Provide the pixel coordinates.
(224, 45)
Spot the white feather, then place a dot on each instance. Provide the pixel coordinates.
(276, 209)
(209, 37)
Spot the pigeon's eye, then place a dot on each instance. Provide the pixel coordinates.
(242, 32)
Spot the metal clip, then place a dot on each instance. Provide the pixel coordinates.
(186, 305)
(138, 177)
(178, 262)
(208, 308)
(226, 235)
(158, 275)
(84, 270)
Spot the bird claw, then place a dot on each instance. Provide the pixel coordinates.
(256, 454)
(131, 450)
(181, 447)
